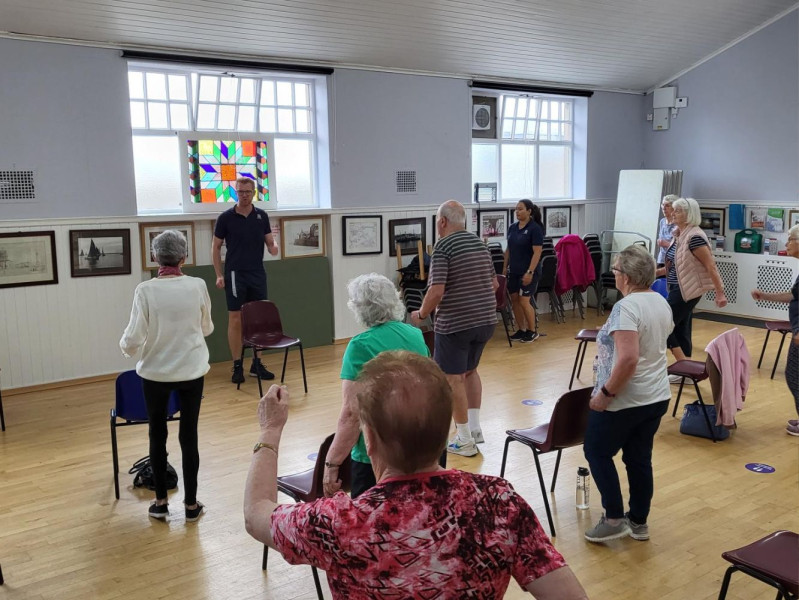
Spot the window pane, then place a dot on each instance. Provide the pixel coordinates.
(285, 122)
(485, 163)
(544, 109)
(566, 131)
(206, 116)
(228, 89)
(284, 93)
(518, 130)
(227, 116)
(246, 118)
(208, 86)
(156, 86)
(301, 97)
(137, 119)
(293, 173)
(566, 109)
(509, 108)
(247, 92)
(156, 112)
(179, 116)
(507, 128)
(303, 118)
(266, 120)
(156, 167)
(543, 132)
(554, 111)
(177, 87)
(136, 84)
(518, 171)
(554, 171)
(268, 93)
(521, 108)
(530, 134)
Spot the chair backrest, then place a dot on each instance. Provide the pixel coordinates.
(549, 268)
(261, 317)
(130, 404)
(317, 489)
(596, 258)
(430, 340)
(412, 298)
(501, 292)
(590, 236)
(569, 419)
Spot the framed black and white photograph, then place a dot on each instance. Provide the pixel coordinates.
(485, 192)
(301, 237)
(793, 218)
(362, 234)
(406, 233)
(149, 231)
(433, 231)
(96, 252)
(557, 221)
(713, 221)
(492, 225)
(27, 258)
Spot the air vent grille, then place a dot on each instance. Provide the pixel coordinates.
(17, 185)
(405, 181)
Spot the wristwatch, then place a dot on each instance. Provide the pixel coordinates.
(260, 445)
(529, 272)
(605, 391)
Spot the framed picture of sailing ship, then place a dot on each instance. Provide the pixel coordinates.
(407, 233)
(301, 237)
(95, 252)
(27, 258)
(149, 231)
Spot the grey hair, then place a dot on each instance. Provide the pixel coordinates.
(638, 264)
(373, 300)
(669, 199)
(169, 248)
(794, 231)
(453, 212)
(691, 208)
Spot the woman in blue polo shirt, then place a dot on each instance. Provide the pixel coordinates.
(523, 267)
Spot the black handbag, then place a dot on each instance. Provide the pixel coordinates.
(693, 421)
(144, 475)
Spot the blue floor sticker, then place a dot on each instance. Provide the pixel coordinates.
(312, 456)
(760, 467)
(532, 402)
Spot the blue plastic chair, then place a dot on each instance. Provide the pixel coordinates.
(660, 287)
(131, 408)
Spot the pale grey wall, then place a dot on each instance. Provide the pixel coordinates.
(64, 113)
(738, 137)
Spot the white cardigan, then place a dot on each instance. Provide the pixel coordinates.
(170, 319)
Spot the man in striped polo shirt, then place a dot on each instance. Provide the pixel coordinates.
(461, 289)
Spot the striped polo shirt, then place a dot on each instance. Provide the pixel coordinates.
(463, 264)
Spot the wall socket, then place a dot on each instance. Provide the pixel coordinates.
(681, 102)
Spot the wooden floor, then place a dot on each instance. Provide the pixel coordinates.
(64, 536)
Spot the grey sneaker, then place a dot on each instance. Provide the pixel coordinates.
(604, 531)
(792, 430)
(457, 446)
(638, 532)
(477, 436)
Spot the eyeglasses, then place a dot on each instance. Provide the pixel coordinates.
(245, 192)
(793, 239)
(617, 270)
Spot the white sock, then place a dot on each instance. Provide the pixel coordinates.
(464, 433)
(474, 419)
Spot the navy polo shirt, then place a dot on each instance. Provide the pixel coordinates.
(520, 246)
(244, 238)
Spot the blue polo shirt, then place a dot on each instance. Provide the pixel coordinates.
(244, 238)
(520, 246)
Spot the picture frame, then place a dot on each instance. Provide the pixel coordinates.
(302, 237)
(714, 221)
(557, 221)
(492, 225)
(433, 231)
(793, 218)
(99, 252)
(757, 217)
(406, 232)
(485, 192)
(362, 234)
(149, 231)
(28, 258)
(775, 220)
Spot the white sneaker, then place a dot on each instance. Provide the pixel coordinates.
(458, 446)
(477, 436)
(675, 379)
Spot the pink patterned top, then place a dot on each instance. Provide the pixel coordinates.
(440, 535)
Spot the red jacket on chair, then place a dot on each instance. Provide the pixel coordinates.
(575, 267)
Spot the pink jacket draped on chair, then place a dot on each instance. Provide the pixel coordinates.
(575, 267)
(731, 356)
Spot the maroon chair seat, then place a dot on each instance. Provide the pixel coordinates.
(566, 428)
(583, 336)
(696, 371)
(781, 327)
(773, 559)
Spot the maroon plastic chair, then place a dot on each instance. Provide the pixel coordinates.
(774, 560)
(261, 329)
(566, 428)
(583, 336)
(430, 340)
(307, 486)
(503, 304)
(696, 371)
(782, 327)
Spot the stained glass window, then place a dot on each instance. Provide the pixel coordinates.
(214, 166)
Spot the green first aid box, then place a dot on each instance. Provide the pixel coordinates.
(749, 241)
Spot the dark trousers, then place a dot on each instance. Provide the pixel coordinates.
(156, 395)
(792, 373)
(682, 312)
(363, 477)
(631, 430)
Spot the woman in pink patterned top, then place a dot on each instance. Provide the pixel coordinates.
(422, 531)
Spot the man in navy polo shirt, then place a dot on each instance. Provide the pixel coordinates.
(244, 229)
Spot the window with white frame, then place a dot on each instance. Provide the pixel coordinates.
(269, 118)
(533, 155)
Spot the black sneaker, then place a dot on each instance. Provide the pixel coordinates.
(519, 335)
(238, 372)
(159, 511)
(529, 336)
(192, 514)
(257, 369)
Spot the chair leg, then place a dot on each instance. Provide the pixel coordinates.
(763, 351)
(256, 358)
(302, 363)
(544, 492)
(2, 581)
(2, 416)
(115, 457)
(779, 351)
(677, 401)
(555, 474)
(508, 440)
(317, 583)
(285, 359)
(704, 412)
(725, 583)
(505, 323)
(241, 358)
(582, 357)
(576, 359)
(266, 555)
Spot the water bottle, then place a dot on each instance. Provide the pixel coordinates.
(583, 487)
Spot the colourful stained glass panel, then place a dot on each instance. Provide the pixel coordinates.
(214, 166)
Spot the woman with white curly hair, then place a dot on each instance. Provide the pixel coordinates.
(376, 304)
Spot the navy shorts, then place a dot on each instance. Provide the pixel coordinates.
(459, 352)
(515, 284)
(244, 286)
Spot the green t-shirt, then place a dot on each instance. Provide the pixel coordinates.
(365, 346)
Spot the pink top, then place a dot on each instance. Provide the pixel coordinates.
(731, 356)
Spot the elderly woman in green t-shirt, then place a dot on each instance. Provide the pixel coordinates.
(376, 304)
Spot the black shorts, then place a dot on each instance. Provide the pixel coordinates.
(244, 286)
(460, 352)
(515, 284)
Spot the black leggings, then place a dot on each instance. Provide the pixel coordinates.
(682, 312)
(156, 395)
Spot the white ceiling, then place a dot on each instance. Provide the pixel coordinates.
(600, 44)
